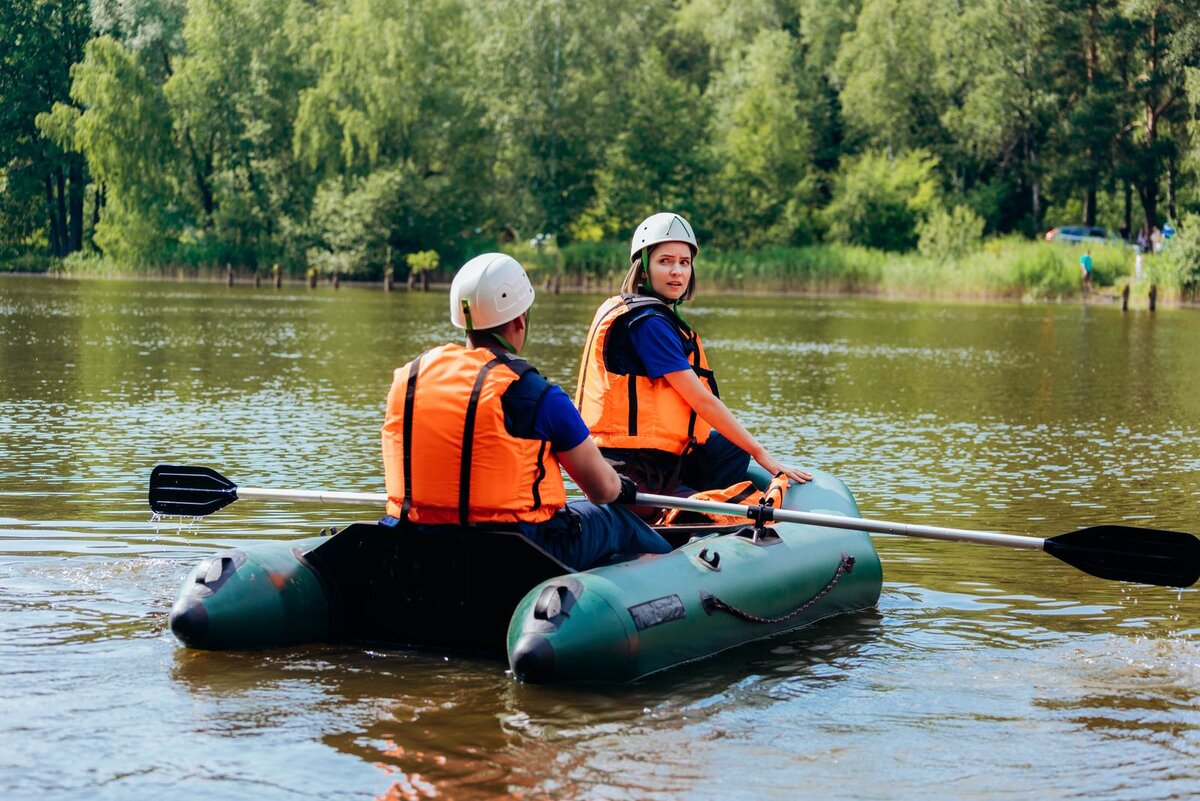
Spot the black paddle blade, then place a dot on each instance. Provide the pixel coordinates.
(1125, 553)
(189, 491)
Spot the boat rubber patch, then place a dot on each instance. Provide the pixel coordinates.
(660, 610)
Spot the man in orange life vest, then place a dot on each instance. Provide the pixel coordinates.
(474, 435)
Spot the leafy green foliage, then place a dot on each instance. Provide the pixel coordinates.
(879, 201)
(949, 235)
(347, 134)
(1182, 256)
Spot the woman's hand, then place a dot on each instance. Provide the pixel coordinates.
(775, 467)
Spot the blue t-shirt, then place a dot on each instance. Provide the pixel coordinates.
(658, 345)
(536, 409)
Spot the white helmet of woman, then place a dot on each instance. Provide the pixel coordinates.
(488, 291)
(662, 227)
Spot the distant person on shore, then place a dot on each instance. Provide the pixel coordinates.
(1137, 263)
(1085, 267)
(645, 388)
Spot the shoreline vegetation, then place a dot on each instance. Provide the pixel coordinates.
(1008, 268)
(888, 148)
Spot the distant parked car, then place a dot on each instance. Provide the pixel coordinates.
(1080, 233)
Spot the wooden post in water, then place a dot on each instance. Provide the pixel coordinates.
(1153, 296)
(1125, 298)
(277, 274)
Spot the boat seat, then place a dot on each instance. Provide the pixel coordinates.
(447, 586)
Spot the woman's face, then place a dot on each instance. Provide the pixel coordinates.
(670, 269)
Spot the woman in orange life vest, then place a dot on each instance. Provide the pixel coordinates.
(474, 435)
(645, 387)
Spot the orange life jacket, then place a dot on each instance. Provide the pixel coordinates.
(447, 455)
(626, 410)
(743, 493)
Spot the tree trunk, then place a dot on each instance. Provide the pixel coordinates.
(75, 241)
(1129, 234)
(51, 212)
(1171, 214)
(99, 204)
(1035, 184)
(1089, 206)
(60, 183)
(1148, 192)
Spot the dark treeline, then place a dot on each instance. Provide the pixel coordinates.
(347, 135)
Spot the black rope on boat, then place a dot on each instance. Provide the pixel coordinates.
(712, 603)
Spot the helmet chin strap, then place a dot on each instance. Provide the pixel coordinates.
(504, 342)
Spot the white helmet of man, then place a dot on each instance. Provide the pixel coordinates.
(662, 227)
(489, 291)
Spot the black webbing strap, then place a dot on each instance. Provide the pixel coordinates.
(410, 393)
(468, 442)
(541, 474)
(518, 366)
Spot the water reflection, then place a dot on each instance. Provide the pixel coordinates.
(448, 725)
(981, 666)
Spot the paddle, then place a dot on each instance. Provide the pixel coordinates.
(1119, 553)
(199, 491)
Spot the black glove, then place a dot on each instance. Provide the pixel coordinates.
(628, 494)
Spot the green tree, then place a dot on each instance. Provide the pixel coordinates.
(553, 80)
(124, 130)
(153, 29)
(762, 188)
(657, 162)
(233, 97)
(879, 200)
(886, 70)
(41, 40)
(389, 107)
(1154, 107)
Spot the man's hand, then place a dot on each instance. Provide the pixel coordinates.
(628, 494)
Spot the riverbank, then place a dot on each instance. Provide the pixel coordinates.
(1001, 269)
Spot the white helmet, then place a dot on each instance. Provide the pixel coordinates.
(489, 291)
(662, 227)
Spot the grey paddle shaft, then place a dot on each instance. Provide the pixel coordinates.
(691, 504)
(852, 523)
(360, 498)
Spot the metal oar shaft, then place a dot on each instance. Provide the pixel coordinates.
(359, 498)
(852, 523)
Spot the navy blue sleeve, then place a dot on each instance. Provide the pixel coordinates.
(658, 345)
(536, 409)
(558, 421)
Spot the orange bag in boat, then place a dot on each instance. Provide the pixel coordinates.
(743, 493)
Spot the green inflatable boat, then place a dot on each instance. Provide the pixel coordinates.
(484, 591)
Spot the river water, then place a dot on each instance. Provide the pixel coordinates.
(984, 673)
